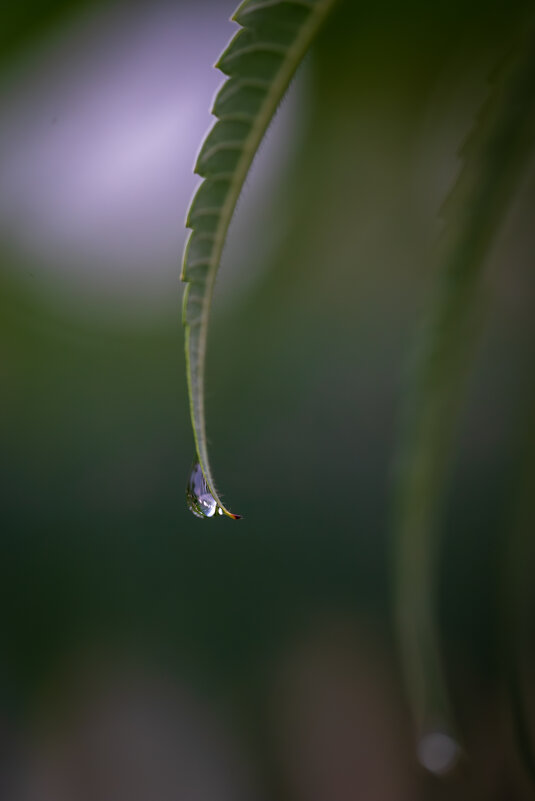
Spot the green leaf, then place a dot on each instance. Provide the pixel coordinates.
(260, 61)
(516, 590)
(495, 159)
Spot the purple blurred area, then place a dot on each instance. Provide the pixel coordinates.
(100, 128)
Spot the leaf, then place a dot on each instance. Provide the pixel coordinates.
(495, 159)
(260, 61)
(516, 590)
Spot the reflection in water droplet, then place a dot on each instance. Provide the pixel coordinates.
(438, 752)
(199, 498)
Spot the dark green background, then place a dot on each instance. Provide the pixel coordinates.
(305, 377)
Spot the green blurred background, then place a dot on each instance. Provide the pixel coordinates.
(264, 647)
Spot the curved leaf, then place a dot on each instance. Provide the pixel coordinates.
(495, 160)
(516, 590)
(260, 62)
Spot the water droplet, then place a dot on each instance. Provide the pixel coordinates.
(438, 752)
(199, 498)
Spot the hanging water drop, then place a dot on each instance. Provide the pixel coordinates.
(438, 752)
(199, 498)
